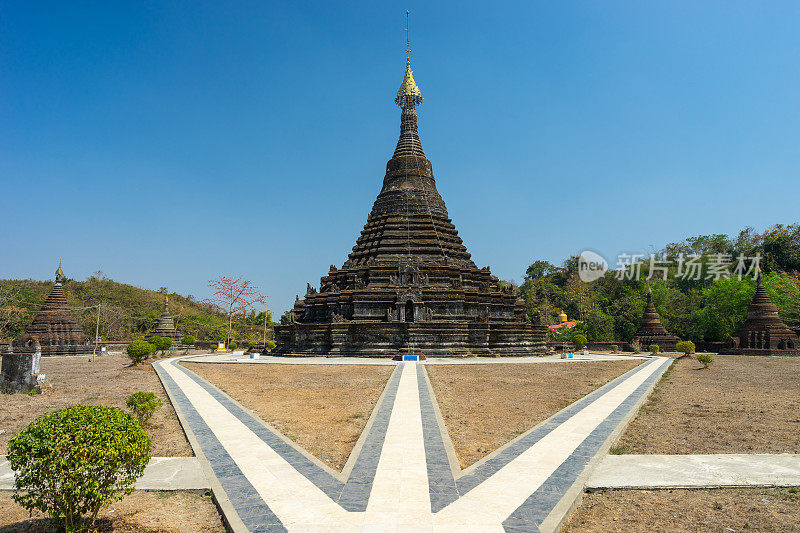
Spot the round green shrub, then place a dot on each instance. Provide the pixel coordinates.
(139, 350)
(687, 347)
(189, 340)
(143, 405)
(270, 345)
(614, 348)
(72, 462)
(161, 344)
(579, 341)
(654, 349)
(705, 359)
(233, 346)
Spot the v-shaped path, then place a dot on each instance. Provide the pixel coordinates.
(403, 477)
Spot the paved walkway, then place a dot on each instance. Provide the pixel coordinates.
(402, 475)
(271, 359)
(162, 473)
(688, 471)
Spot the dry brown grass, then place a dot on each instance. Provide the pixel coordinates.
(742, 404)
(108, 380)
(140, 512)
(643, 511)
(323, 408)
(485, 406)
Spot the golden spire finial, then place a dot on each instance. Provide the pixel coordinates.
(408, 93)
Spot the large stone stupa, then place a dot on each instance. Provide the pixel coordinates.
(53, 327)
(651, 331)
(763, 332)
(166, 326)
(409, 285)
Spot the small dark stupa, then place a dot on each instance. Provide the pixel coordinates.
(651, 331)
(165, 326)
(763, 332)
(409, 285)
(54, 327)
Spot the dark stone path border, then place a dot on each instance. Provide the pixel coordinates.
(352, 495)
(445, 488)
(246, 501)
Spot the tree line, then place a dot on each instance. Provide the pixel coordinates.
(706, 308)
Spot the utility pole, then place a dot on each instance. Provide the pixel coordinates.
(265, 326)
(96, 332)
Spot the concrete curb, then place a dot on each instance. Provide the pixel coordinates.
(696, 471)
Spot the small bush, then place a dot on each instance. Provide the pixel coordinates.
(687, 347)
(636, 347)
(233, 346)
(143, 405)
(614, 348)
(139, 350)
(72, 462)
(270, 345)
(189, 340)
(161, 344)
(705, 359)
(654, 349)
(579, 341)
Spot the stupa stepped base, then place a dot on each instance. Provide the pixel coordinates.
(390, 339)
(770, 352)
(666, 343)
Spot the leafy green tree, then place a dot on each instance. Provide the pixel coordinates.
(161, 344)
(143, 404)
(139, 350)
(539, 269)
(72, 462)
(579, 341)
(189, 340)
(687, 347)
(724, 307)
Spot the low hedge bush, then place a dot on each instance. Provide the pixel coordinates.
(139, 350)
(143, 404)
(71, 462)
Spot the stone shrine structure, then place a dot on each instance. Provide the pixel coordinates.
(20, 371)
(166, 326)
(53, 327)
(409, 285)
(763, 332)
(651, 331)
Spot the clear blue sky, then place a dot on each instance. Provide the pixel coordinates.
(169, 143)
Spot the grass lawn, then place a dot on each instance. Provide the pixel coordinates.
(108, 380)
(741, 404)
(323, 408)
(707, 510)
(484, 406)
(139, 512)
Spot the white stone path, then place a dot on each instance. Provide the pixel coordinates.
(400, 495)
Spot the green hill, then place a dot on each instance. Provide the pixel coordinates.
(127, 312)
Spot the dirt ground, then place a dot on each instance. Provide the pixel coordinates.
(323, 408)
(140, 512)
(108, 380)
(485, 406)
(687, 510)
(741, 404)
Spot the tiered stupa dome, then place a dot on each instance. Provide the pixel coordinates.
(409, 284)
(763, 332)
(53, 327)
